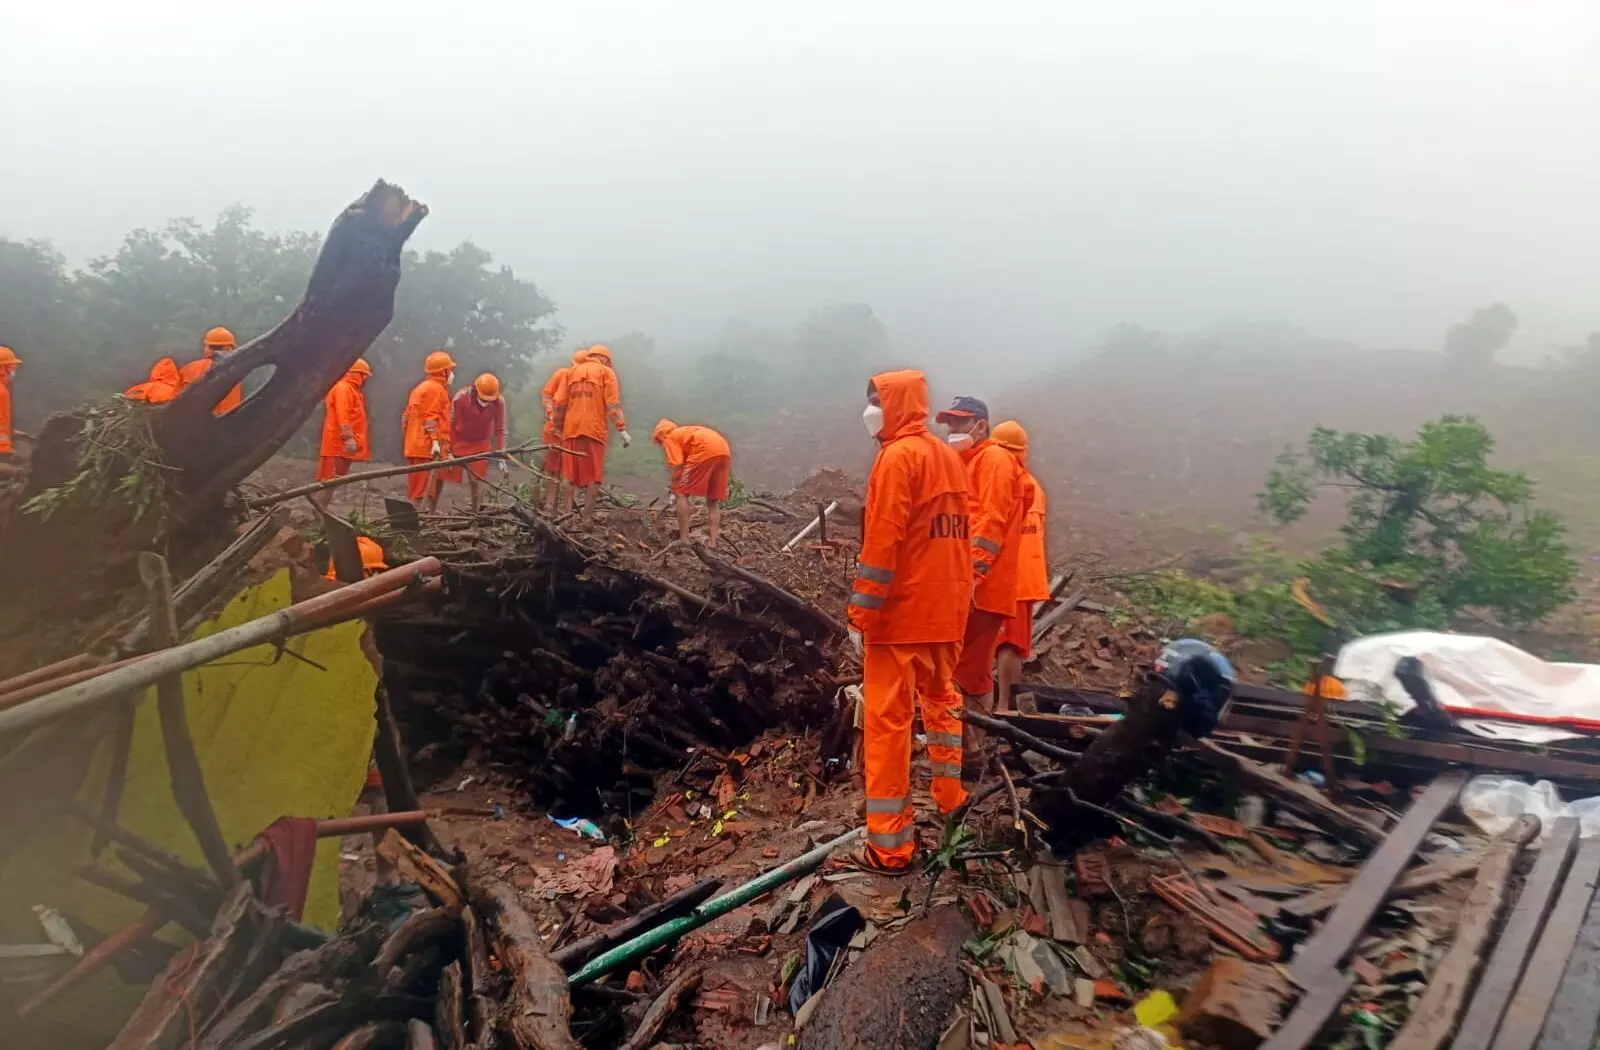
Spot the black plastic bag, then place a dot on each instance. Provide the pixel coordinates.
(836, 923)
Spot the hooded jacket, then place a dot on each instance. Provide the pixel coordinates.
(914, 576)
(586, 396)
(345, 416)
(1033, 574)
(996, 504)
(162, 386)
(191, 373)
(427, 418)
(689, 445)
(5, 411)
(547, 396)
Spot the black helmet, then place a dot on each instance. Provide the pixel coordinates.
(1203, 679)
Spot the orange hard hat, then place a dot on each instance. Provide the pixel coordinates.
(438, 361)
(1010, 435)
(360, 367)
(9, 356)
(663, 428)
(601, 351)
(371, 554)
(219, 337)
(487, 386)
(580, 355)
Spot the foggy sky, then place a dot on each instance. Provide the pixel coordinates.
(999, 181)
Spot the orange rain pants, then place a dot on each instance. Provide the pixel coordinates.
(423, 484)
(895, 678)
(974, 673)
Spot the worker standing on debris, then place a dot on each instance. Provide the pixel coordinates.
(218, 342)
(344, 428)
(426, 425)
(162, 386)
(477, 424)
(699, 463)
(907, 612)
(8, 368)
(586, 398)
(996, 506)
(1033, 573)
(551, 436)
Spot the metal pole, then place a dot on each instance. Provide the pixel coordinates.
(712, 909)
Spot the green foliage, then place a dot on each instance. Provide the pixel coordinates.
(1476, 340)
(1431, 529)
(120, 466)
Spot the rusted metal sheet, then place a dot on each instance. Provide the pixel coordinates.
(1324, 992)
(1526, 1014)
(1494, 989)
(1327, 948)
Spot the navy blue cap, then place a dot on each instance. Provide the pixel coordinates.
(963, 408)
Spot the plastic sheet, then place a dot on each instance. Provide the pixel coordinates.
(830, 934)
(1494, 803)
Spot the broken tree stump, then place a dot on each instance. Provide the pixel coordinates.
(1433, 1021)
(538, 1009)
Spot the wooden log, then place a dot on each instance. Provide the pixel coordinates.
(449, 1014)
(683, 902)
(384, 472)
(183, 763)
(538, 1009)
(1433, 1021)
(333, 961)
(1326, 949)
(1048, 621)
(793, 602)
(1489, 999)
(1525, 1015)
(1296, 796)
(340, 1015)
(483, 1007)
(420, 928)
(665, 1005)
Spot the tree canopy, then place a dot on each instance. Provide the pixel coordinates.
(1477, 339)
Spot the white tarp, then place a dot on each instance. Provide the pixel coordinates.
(1494, 803)
(1470, 672)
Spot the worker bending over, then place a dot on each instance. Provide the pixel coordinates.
(8, 368)
(587, 396)
(551, 437)
(907, 613)
(996, 508)
(426, 425)
(372, 561)
(699, 463)
(162, 386)
(217, 343)
(344, 428)
(477, 424)
(1033, 573)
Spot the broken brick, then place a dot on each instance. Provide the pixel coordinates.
(1094, 873)
(1228, 829)
(1236, 1005)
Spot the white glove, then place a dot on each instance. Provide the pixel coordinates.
(436, 450)
(350, 445)
(856, 643)
(505, 468)
(627, 438)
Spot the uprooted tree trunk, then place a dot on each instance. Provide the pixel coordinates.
(85, 548)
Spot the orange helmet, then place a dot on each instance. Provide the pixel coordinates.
(601, 351)
(663, 428)
(9, 356)
(1011, 436)
(371, 554)
(580, 355)
(438, 361)
(487, 386)
(360, 367)
(219, 338)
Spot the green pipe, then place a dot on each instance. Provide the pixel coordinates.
(714, 908)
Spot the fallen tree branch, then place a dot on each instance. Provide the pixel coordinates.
(538, 1010)
(384, 472)
(662, 1009)
(793, 602)
(1298, 797)
(1056, 615)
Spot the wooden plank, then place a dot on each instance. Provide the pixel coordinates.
(1410, 884)
(1326, 948)
(1537, 990)
(1511, 952)
(1302, 798)
(1575, 1015)
(1432, 1022)
(1324, 992)
(1062, 925)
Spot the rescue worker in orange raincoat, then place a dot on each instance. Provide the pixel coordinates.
(477, 424)
(217, 343)
(699, 463)
(907, 613)
(1033, 572)
(554, 458)
(162, 386)
(344, 428)
(586, 398)
(996, 506)
(426, 429)
(8, 368)
(372, 561)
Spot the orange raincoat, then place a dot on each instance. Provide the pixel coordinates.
(585, 396)
(191, 373)
(912, 591)
(1033, 572)
(162, 386)
(427, 418)
(345, 419)
(6, 447)
(701, 459)
(996, 504)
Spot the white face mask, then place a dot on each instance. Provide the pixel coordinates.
(959, 440)
(450, 379)
(872, 418)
